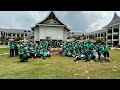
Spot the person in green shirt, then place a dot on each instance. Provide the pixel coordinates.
(11, 49)
(37, 52)
(21, 52)
(41, 52)
(24, 57)
(100, 51)
(106, 52)
(16, 48)
(44, 54)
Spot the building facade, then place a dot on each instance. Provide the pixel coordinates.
(51, 27)
(110, 32)
(13, 33)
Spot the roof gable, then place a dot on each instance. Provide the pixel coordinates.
(51, 19)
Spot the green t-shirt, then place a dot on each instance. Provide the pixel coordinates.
(15, 46)
(21, 51)
(11, 46)
(106, 48)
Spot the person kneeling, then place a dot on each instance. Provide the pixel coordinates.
(24, 57)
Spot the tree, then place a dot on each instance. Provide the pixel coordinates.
(2, 39)
(48, 38)
(18, 38)
(99, 41)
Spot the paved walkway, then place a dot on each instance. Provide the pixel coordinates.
(4, 54)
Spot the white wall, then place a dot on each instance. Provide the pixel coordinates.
(65, 35)
(36, 34)
(52, 31)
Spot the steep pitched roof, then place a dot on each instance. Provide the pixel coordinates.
(51, 16)
(115, 20)
(51, 19)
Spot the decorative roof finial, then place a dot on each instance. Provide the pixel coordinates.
(115, 15)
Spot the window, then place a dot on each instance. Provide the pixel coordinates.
(109, 37)
(25, 34)
(116, 30)
(101, 34)
(14, 34)
(21, 35)
(109, 31)
(96, 35)
(115, 37)
(9, 34)
(18, 34)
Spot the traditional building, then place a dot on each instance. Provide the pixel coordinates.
(110, 32)
(51, 27)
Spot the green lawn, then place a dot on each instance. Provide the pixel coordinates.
(58, 67)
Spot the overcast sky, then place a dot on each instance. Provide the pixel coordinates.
(80, 21)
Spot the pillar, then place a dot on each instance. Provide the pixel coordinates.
(106, 35)
(119, 35)
(100, 35)
(112, 35)
(0, 33)
(97, 35)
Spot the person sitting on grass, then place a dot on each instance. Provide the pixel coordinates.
(41, 52)
(69, 54)
(78, 55)
(48, 53)
(37, 53)
(44, 54)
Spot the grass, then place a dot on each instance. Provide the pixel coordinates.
(58, 67)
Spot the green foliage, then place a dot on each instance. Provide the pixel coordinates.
(48, 38)
(100, 40)
(2, 39)
(18, 38)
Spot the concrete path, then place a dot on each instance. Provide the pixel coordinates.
(4, 54)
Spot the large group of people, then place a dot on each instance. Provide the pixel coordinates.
(85, 51)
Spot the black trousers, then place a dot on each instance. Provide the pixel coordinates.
(99, 56)
(11, 52)
(16, 52)
(21, 56)
(24, 59)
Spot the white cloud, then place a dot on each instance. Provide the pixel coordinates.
(76, 20)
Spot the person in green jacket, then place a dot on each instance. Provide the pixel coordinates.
(11, 49)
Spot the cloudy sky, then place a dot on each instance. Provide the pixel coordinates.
(80, 21)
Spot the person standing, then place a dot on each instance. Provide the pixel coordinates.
(16, 48)
(11, 49)
(106, 52)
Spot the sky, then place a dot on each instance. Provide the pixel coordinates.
(77, 21)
